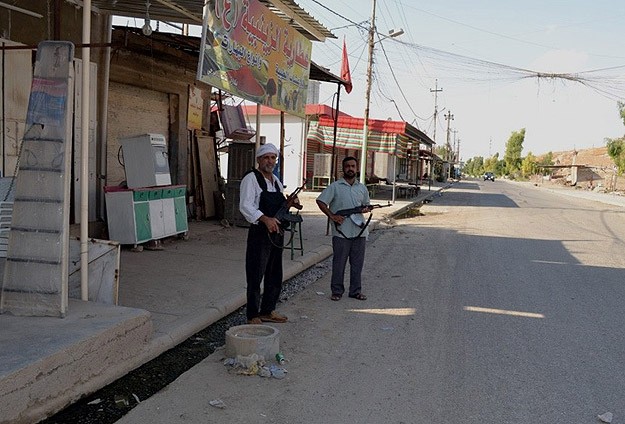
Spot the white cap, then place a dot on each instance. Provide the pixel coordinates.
(267, 148)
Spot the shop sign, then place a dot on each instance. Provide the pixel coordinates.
(252, 53)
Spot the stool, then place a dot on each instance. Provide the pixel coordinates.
(296, 228)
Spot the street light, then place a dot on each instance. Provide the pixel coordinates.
(365, 130)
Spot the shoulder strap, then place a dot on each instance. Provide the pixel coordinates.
(259, 177)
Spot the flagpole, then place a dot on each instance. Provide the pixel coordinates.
(336, 124)
(347, 81)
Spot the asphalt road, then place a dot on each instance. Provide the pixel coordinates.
(502, 304)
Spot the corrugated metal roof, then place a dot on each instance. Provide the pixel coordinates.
(311, 109)
(381, 125)
(191, 46)
(190, 11)
(350, 137)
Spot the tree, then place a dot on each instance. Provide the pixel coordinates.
(621, 110)
(514, 147)
(616, 147)
(490, 164)
(441, 152)
(529, 165)
(478, 166)
(468, 167)
(616, 150)
(500, 167)
(546, 160)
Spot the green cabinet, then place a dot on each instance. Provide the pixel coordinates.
(138, 215)
(180, 207)
(143, 231)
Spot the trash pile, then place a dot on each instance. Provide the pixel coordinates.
(255, 364)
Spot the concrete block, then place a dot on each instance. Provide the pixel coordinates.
(245, 340)
(53, 362)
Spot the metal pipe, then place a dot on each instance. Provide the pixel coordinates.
(257, 126)
(282, 147)
(336, 123)
(19, 9)
(4, 114)
(103, 118)
(84, 151)
(394, 176)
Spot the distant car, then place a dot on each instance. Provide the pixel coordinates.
(489, 176)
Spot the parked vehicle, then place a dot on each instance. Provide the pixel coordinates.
(489, 176)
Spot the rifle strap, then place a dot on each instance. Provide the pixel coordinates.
(362, 230)
(283, 245)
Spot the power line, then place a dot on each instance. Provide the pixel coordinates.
(397, 82)
(518, 40)
(338, 14)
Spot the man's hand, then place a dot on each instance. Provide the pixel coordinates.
(272, 224)
(337, 218)
(326, 210)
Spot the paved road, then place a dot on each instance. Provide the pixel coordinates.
(503, 304)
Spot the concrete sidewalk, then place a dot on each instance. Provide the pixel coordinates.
(165, 297)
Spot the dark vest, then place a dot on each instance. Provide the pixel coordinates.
(270, 202)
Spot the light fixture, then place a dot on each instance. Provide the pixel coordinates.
(395, 33)
(146, 28)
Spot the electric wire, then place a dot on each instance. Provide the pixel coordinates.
(398, 84)
(337, 14)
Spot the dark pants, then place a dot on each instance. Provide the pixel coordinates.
(355, 251)
(262, 259)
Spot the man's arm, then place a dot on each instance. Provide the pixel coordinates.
(326, 210)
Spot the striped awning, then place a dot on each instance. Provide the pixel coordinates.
(383, 136)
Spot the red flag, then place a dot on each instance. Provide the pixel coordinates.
(345, 74)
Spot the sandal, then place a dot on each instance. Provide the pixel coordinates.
(358, 296)
(335, 297)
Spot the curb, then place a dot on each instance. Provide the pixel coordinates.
(419, 199)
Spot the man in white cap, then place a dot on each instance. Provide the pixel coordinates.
(260, 198)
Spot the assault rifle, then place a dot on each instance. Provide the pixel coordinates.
(283, 215)
(359, 209)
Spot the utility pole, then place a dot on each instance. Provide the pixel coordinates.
(435, 91)
(365, 129)
(458, 153)
(454, 157)
(449, 117)
(365, 135)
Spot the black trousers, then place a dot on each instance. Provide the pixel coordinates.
(262, 260)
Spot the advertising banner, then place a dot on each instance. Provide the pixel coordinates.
(251, 53)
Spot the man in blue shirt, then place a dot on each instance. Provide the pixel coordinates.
(349, 234)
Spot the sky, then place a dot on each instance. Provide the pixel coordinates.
(486, 57)
(476, 51)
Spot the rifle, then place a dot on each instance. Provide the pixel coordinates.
(283, 215)
(359, 209)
